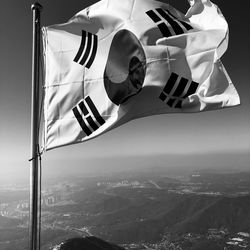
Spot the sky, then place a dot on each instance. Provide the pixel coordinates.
(210, 139)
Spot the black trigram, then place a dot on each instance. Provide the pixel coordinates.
(87, 50)
(88, 117)
(161, 16)
(176, 90)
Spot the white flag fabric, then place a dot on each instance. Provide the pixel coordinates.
(120, 60)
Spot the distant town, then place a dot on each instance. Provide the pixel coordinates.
(197, 210)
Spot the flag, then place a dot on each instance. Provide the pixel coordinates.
(120, 60)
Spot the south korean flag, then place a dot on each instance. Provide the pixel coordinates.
(120, 60)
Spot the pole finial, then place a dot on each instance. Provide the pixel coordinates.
(36, 6)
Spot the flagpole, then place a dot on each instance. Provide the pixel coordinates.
(34, 173)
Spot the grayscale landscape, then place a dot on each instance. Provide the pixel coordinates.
(179, 181)
(150, 208)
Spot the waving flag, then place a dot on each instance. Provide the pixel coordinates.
(120, 60)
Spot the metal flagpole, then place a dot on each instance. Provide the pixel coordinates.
(34, 173)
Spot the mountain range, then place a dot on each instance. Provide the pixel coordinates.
(188, 214)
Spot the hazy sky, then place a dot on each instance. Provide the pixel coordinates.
(205, 139)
